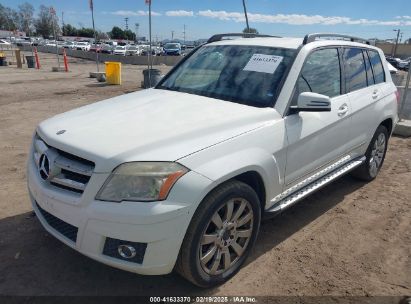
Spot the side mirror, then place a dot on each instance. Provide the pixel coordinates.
(312, 102)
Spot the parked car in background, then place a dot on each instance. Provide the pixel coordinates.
(61, 44)
(145, 49)
(119, 50)
(4, 43)
(68, 45)
(83, 46)
(404, 64)
(132, 50)
(172, 49)
(393, 61)
(23, 41)
(107, 49)
(51, 43)
(96, 48)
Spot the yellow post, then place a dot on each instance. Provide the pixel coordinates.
(113, 72)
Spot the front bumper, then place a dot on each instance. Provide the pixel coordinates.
(160, 226)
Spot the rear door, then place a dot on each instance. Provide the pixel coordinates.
(316, 139)
(365, 80)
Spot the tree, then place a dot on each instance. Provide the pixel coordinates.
(250, 31)
(9, 19)
(46, 22)
(86, 32)
(116, 33)
(69, 30)
(102, 36)
(26, 11)
(129, 35)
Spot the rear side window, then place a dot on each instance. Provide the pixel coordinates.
(320, 74)
(370, 77)
(377, 68)
(355, 73)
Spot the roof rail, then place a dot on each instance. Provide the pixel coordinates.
(220, 37)
(312, 37)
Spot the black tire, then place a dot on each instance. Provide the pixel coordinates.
(365, 172)
(188, 263)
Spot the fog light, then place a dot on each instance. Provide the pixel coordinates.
(126, 251)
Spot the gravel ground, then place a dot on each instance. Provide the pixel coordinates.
(349, 239)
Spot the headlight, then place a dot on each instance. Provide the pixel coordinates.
(141, 181)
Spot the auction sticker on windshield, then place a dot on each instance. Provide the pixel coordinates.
(263, 63)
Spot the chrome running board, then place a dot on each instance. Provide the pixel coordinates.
(298, 195)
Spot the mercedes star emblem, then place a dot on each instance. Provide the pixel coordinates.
(44, 167)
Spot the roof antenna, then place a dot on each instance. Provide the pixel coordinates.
(246, 17)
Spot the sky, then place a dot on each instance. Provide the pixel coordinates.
(203, 18)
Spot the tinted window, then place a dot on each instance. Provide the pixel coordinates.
(320, 74)
(377, 68)
(370, 77)
(355, 74)
(233, 73)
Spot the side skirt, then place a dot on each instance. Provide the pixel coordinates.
(298, 195)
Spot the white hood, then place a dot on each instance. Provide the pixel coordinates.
(150, 125)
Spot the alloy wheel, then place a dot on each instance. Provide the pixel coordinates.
(377, 154)
(226, 236)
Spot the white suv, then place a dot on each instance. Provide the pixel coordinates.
(180, 176)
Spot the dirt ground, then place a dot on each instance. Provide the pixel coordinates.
(349, 239)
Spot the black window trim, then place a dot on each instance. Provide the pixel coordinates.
(367, 58)
(382, 65)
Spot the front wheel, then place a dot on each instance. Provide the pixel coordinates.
(375, 156)
(220, 235)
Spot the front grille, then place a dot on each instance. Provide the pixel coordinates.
(63, 170)
(67, 230)
(111, 249)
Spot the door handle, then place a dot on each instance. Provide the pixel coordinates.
(342, 110)
(375, 94)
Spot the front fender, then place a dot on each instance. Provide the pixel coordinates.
(250, 152)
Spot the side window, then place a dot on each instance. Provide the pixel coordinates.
(370, 77)
(377, 68)
(320, 74)
(355, 75)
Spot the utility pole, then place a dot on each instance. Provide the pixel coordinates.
(401, 36)
(126, 20)
(94, 30)
(246, 17)
(172, 35)
(137, 26)
(62, 22)
(396, 42)
(184, 34)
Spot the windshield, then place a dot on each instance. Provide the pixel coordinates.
(172, 46)
(249, 75)
(120, 48)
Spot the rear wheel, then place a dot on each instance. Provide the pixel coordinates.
(221, 234)
(375, 156)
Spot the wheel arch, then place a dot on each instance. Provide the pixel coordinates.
(388, 123)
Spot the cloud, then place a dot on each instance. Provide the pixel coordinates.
(134, 13)
(403, 17)
(298, 19)
(180, 13)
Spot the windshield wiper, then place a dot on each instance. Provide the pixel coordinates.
(168, 88)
